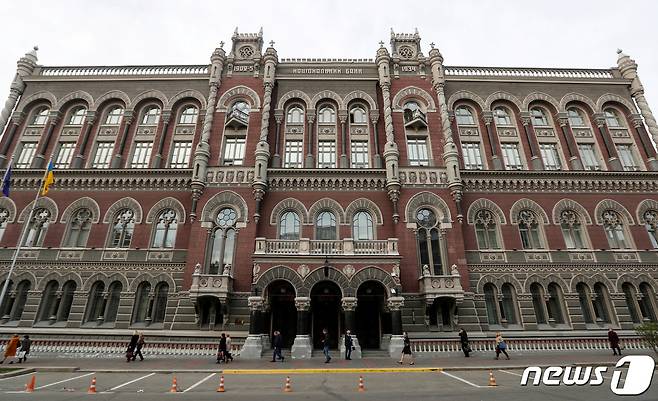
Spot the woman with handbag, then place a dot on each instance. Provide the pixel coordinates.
(406, 350)
(501, 346)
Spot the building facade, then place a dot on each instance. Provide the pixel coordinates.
(255, 194)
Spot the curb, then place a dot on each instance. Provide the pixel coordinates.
(17, 372)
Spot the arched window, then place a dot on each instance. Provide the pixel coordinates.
(40, 116)
(189, 115)
(166, 225)
(289, 226)
(572, 230)
(5, 307)
(529, 230)
(647, 305)
(538, 302)
(584, 298)
(613, 226)
(576, 117)
(37, 227)
(502, 115)
(508, 308)
(326, 115)
(223, 241)
(600, 302)
(464, 116)
(160, 302)
(486, 231)
(47, 306)
(142, 302)
(491, 302)
(113, 298)
(554, 304)
(358, 115)
(362, 227)
(151, 115)
(66, 301)
(429, 242)
(613, 119)
(325, 226)
(295, 115)
(4, 218)
(631, 302)
(79, 228)
(95, 303)
(114, 116)
(16, 311)
(538, 117)
(77, 116)
(121, 233)
(650, 223)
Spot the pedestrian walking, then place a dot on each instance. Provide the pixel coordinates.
(614, 341)
(463, 339)
(11, 347)
(221, 353)
(130, 352)
(406, 349)
(325, 345)
(229, 357)
(26, 343)
(138, 348)
(277, 343)
(349, 345)
(501, 346)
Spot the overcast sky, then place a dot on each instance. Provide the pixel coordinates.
(537, 33)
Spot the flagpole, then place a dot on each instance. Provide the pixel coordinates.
(20, 239)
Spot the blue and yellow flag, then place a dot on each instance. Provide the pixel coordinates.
(49, 179)
(6, 181)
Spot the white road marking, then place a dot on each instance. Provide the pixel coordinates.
(65, 380)
(461, 380)
(127, 383)
(510, 373)
(199, 382)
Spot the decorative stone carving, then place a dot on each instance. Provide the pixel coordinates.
(349, 304)
(302, 303)
(349, 271)
(303, 270)
(255, 272)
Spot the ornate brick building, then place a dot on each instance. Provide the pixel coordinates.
(255, 194)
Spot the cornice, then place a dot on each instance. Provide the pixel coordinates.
(327, 179)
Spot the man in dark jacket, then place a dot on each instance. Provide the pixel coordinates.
(349, 343)
(221, 353)
(325, 345)
(463, 339)
(277, 343)
(25, 348)
(614, 341)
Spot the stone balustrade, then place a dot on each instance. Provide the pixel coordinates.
(573, 73)
(211, 284)
(346, 246)
(432, 286)
(144, 70)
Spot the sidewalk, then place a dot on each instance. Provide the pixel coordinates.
(478, 360)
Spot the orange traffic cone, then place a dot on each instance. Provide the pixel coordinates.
(221, 389)
(362, 386)
(492, 379)
(92, 386)
(29, 387)
(174, 386)
(288, 387)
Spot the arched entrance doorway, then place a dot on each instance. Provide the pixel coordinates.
(442, 313)
(283, 314)
(325, 312)
(370, 314)
(209, 309)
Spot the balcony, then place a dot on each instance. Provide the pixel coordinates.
(445, 285)
(237, 119)
(415, 119)
(218, 285)
(347, 246)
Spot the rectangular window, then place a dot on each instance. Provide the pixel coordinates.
(293, 156)
(234, 151)
(626, 158)
(588, 155)
(360, 154)
(26, 155)
(64, 154)
(511, 156)
(418, 155)
(142, 155)
(180, 154)
(103, 155)
(472, 156)
(550, 156)
(326, 154)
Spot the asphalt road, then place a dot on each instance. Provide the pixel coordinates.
(464, 385)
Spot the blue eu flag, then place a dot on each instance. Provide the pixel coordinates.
(6, 181)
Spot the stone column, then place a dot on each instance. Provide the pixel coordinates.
(25, 67)
(492, 136)
(574, 157)
(79, 159)
(636, 120)
(46, 136)
(253, 345)
(377, 158)
(302, 347)
(276, 159)
(349, 305)
(157, 159)
(535, 155)
(342, 116)
(16, 121)
(309, 162)
(609, 145)
(127, 121)
(395, 305)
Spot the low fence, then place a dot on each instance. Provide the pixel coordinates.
(527, 344)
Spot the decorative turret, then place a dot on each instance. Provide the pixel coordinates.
(450, 155)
